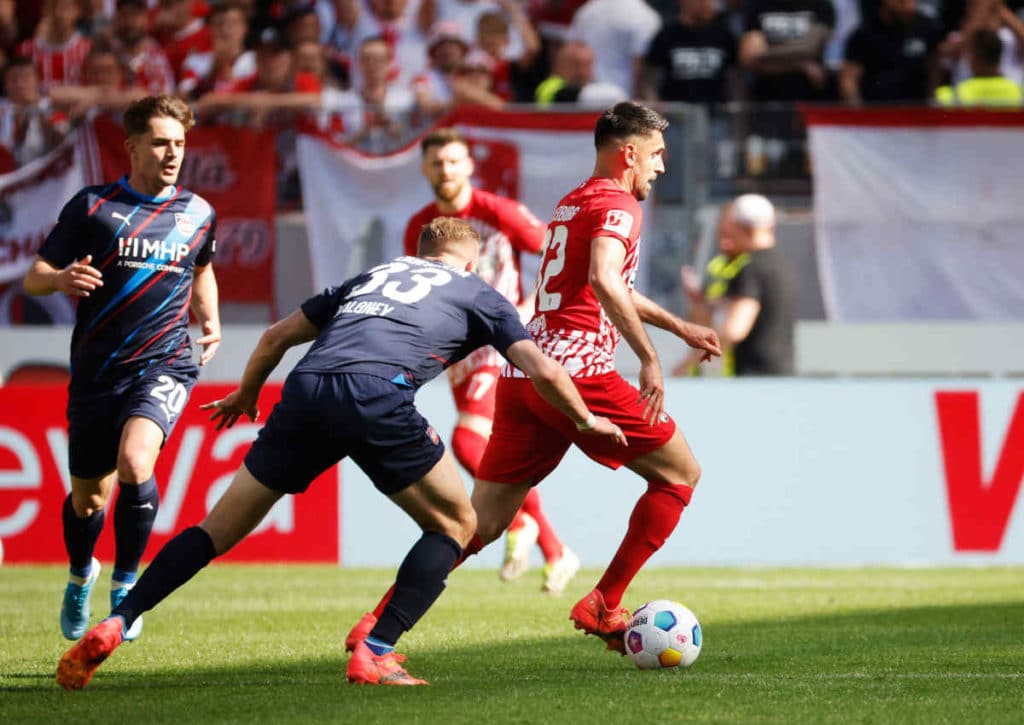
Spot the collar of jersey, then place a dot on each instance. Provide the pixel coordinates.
(123, 181)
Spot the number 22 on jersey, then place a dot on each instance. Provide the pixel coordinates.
(554, 243)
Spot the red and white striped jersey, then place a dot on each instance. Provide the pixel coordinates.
(57, 64)
(507, 228)
(569, 324)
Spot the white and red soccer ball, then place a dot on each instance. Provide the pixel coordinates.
(663, 634)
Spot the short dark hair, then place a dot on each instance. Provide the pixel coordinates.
(137, 115)
(627, 119)
(987, 47)
(444, 232)
(442, 137)
(19, 61)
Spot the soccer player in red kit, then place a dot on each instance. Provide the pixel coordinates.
(585, 302)
(508, 230)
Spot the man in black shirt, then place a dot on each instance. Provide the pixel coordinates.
(750, 301)
(689, 60)
(891, 58)
(782, 45)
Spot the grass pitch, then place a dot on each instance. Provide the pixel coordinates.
(263, 644)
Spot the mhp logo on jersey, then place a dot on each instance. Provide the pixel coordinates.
(618, 221)
(158, 249)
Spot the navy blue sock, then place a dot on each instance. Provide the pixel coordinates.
(180, 560)
(80, 536)
(420, 581)
(134, 514)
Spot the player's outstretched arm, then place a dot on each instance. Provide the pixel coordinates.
(275, 341)
(696, 336)
(205, 307)
(553, 384)
(78, 279)
(607, 256)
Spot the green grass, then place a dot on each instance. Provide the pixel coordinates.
(262, 644)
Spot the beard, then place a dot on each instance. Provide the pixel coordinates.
(447, 191)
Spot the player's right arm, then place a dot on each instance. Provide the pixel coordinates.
(63, 263)
(552, 382)
(607, 256)
(78, 279)
(275, 341)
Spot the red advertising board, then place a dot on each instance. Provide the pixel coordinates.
(194, 468)
(234, 170)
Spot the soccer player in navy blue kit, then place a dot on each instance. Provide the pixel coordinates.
(378, 338)
(137, 254)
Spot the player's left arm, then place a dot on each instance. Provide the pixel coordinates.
(204, 306)
(275, 341)
(696, 336)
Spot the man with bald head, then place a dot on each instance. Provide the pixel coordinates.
(748, 293)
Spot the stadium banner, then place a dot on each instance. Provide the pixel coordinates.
(31, 199)
(194, 469)
(918, 213)
(235, 170)
(795, 473)
(357, 205)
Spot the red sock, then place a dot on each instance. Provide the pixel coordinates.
(547, 539)
(468, 448)
(473, 547)
(654, 517)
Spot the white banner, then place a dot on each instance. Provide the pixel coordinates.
(919, 214)
(357, 205)
(31, 199)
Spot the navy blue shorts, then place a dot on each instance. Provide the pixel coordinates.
(95, 418)
(322, 418)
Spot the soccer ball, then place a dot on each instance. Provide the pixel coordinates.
(663, 634)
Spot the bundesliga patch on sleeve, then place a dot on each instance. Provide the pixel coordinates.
(618, 221)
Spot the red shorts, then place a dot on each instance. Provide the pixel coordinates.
(475, 393)
(530, 437)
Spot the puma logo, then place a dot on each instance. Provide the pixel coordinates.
(141, 507)
(124, 219)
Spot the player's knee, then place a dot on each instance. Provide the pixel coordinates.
(459, 526)
(691, 474)
(87, 504)
(135, 465)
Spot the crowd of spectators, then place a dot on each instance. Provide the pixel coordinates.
(375, 72)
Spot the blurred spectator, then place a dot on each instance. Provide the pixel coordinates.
(340, 37)
(573, 68)
(552, 18)
(689, 59)
(227, 62)
(302, 23)
(748, 295)
(102, 87)
(521, 42)
(782, 46)
(446, 48)
(377, 115)
(493, 36)
(991, 15)
(57, 48)
(29, 126)
(619, 32)
(96, 17)
(403, 27)
(473, 82)
(181, 31)
(987, 86)
(273, 95)
(893, 58)
(144, 61)
(8, 27)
